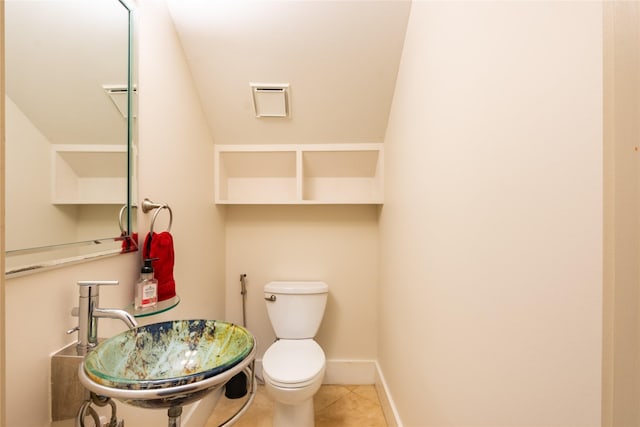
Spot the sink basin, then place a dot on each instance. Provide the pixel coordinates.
(168, 364)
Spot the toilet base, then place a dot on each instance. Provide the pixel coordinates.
(298, 415)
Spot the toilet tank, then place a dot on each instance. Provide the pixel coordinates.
(296, 308)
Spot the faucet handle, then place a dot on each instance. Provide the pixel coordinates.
(90, 287)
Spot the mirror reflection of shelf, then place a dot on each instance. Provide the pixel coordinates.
(299, 174)
(160, 307)
(89, 174)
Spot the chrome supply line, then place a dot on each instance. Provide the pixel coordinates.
(87, 409)
(100, 401)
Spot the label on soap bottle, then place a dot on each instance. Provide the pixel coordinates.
(149, 296)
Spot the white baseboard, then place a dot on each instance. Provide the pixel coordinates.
(388, 406)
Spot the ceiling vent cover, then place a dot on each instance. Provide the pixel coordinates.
(270, 99)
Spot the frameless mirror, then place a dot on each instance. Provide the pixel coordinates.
(68, 131)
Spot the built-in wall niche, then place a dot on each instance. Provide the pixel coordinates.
(299, 174)
(89, 174)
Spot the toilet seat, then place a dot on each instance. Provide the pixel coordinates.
(293, 363)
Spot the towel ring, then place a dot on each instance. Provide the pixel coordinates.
(155, 214)
(148, 205)
(122, 211)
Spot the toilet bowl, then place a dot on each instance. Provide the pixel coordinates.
(293, 367)
(293, 371)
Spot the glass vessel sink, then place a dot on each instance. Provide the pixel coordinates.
(168, 364)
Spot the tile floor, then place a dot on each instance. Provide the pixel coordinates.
(334, 405)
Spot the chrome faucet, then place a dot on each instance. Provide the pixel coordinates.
(88, 313)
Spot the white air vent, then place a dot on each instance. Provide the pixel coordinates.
(270, 100)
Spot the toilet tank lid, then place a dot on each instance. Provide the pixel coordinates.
(299, 287)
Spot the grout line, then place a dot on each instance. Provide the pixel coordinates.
(344, 387)
(371, 397)
(328, 409)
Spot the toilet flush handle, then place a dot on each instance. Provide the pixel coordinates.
(270, 298)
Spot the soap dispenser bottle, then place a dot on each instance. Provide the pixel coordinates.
(146, 294)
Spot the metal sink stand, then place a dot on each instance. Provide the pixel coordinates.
(175, 412)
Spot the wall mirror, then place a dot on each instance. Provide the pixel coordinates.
(69, 133)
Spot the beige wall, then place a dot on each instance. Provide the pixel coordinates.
(175, 165)
(491, 234)
(621, 387)
(335, 244)
(38, 306)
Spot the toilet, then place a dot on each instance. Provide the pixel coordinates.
(293, 366)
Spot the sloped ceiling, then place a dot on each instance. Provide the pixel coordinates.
(340, 58)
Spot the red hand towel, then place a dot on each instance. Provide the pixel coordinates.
(160, 245)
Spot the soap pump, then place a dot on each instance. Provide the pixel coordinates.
(146, 294)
